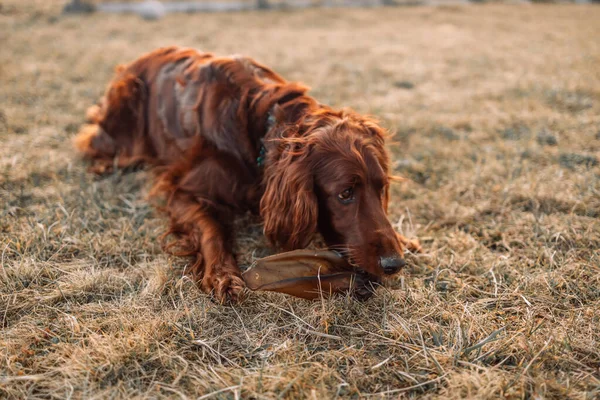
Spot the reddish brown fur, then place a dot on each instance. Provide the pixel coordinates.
(201, 121)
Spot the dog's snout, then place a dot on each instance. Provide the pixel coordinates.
(391, 264)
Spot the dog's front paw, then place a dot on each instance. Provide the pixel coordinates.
(414, 246)
(226, 287)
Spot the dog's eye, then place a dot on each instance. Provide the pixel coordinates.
(346, 196)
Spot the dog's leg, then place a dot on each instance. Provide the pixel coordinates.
(203, 232)
(101, 149)
(222, 275)
(93, 142)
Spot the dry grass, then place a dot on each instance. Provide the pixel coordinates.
(497, 114)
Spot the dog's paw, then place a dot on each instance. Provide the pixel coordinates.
(414, 246)
(226, 287)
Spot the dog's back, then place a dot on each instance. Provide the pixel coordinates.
(158, 106)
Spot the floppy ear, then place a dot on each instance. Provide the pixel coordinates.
(289, 206)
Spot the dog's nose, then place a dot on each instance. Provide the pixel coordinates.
(391, 264)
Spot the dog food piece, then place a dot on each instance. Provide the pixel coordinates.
(308, 274)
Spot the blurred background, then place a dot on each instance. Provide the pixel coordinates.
(494, 109)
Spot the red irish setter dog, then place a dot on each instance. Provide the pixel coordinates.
(228, 135)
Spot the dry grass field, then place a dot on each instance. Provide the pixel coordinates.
(496, 114)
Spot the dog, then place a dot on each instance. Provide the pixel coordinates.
(227, 135)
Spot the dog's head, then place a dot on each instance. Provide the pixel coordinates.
(332, 177)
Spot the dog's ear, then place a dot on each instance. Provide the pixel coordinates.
(289, 206)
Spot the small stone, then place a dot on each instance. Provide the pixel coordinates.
(19, 129)
(78, 7)
(546, 138)
(151, 10)
(404, 84)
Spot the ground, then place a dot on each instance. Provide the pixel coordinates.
(496, 116)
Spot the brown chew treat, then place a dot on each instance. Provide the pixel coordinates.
(308, 274)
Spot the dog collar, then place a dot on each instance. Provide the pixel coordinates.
(271, 121)
(260, 160)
